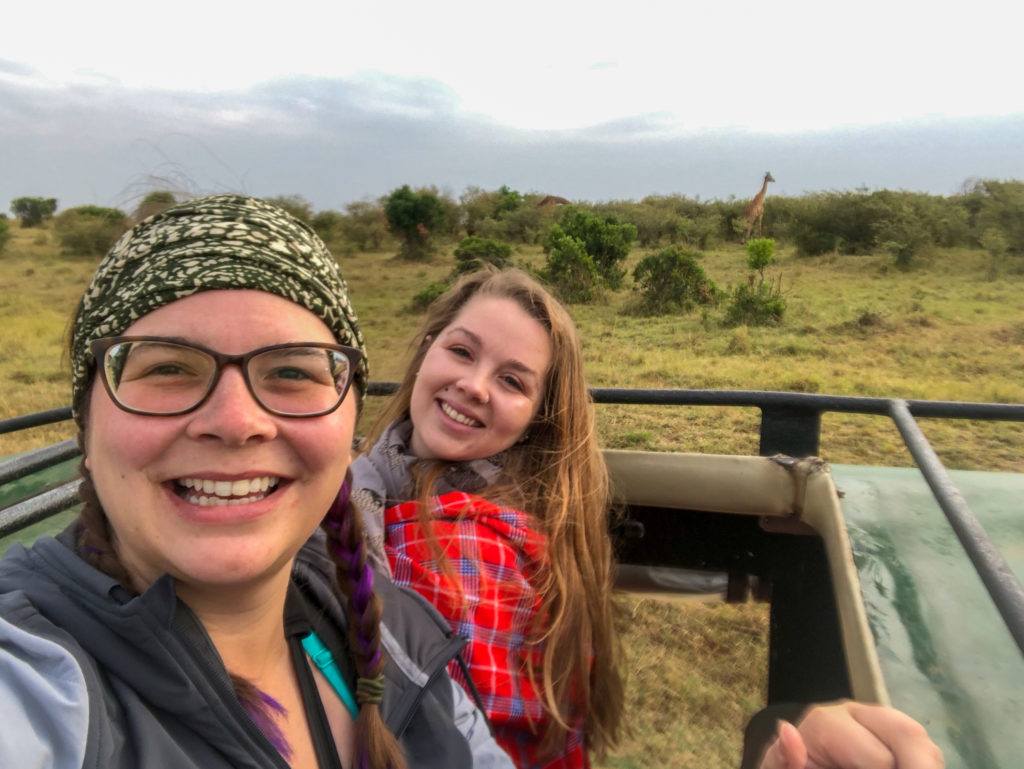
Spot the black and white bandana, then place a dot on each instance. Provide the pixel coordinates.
(217, 242)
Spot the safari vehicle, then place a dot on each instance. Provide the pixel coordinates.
(890, 585)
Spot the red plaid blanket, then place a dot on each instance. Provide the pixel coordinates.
(492, 552)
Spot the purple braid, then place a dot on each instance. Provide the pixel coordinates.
(340, 522)
(263, 710)
(376, 746)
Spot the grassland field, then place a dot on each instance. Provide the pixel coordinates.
(854, 325)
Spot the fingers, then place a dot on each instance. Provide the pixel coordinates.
(835, 739)
(788, 751)
(908, 741)
(852, 734)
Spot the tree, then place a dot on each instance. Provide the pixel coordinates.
(606, 239)
(154, 203)
(474, 252)
(760, 253)
(5, 231)
(89, 230)
(672, 281)
(296, 205)
(412, 216)
(570, 269)
(32, 212)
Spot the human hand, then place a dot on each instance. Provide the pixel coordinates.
(852, 735)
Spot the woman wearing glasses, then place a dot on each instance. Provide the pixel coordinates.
(191, 617)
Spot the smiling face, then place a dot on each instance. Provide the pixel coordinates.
(228, 493)
(480, 382)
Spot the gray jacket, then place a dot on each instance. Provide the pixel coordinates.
(91, 676)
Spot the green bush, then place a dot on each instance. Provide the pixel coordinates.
(423, 299)
(756, 303)
(296, 205)
(760, 253)
(998, 205)
(412, 216)
(569, 268)
(474, 252)
(903, 234)
(89, 230)
(672, 281)
(153, 203)
(32, 212)
(328, 225)
(5, 231)
(605, 239)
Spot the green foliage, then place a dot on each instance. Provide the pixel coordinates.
(296, 205)
(32, 212)
(569, 268)
(474, 252)
(423, 299)
(327, 224)
(998, 205)
(412, 215)
(605, 239)
(903, 234)
(89, 230)
(5, 231)
(993, 241)
(364, 225)
(153, 203)
(756, 303)
(671, 281)
(503, 214)
(760, 253)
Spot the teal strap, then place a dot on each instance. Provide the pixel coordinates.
(324, 661)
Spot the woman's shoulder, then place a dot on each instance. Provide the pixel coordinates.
(44, 698)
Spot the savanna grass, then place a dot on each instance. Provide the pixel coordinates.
(853, 326)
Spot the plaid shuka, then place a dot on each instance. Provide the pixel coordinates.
(493, 553)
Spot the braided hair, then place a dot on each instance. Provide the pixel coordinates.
(376, 746)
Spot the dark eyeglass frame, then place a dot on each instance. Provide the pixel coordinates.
(99, 348)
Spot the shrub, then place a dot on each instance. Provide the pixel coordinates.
(5, 231)
(424, 298)
(902, 234)
(995, 243)
(328, 225)
(32, 212)
(412, 215)
(89, 230)
(296, 205)
(605, 239)
(672, 281)
(569, 268)
(760, 253)
(474, 252)
(756, 303)
(365, 225)
(998, 205)
(153, 203)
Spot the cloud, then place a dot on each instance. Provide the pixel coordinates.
(8, 67)
(334, 140)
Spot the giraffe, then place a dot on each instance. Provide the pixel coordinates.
(755, 210)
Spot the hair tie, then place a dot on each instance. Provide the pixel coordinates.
(370, 691)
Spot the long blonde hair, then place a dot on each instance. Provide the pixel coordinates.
(557, 475)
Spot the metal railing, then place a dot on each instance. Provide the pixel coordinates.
(790, 424)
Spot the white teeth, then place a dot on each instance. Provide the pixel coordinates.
(462, 419)
(238, 492)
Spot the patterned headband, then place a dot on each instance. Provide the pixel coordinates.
(218, 242)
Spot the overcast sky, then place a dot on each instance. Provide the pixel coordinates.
(338, 103)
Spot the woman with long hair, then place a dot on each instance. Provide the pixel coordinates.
(485, 491)
(213, 604)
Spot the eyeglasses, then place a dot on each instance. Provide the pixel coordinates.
(156, 376)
